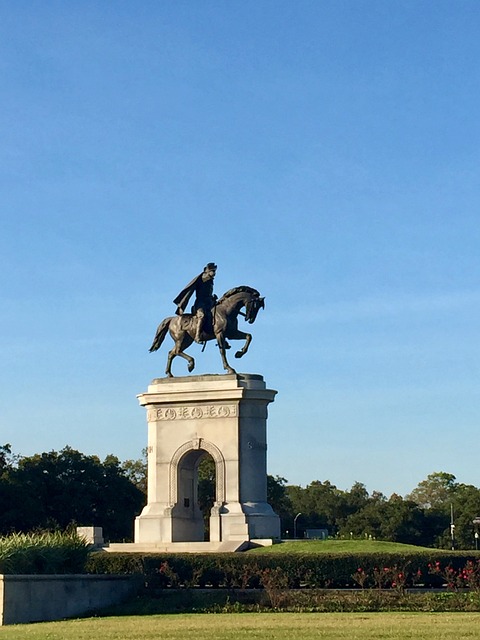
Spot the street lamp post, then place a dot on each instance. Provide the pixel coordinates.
(476, 522)
(452, 528)
(295, 526)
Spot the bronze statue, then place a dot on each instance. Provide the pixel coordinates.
(217, 320)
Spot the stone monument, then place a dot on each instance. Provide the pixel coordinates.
(224, 416)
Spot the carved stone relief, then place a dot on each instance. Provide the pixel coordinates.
(197, 412)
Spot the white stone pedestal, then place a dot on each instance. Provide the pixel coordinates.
(226, 417)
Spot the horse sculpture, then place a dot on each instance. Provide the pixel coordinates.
(224, 326)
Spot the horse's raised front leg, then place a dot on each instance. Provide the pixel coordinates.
(176, 351)
(221, 345)
(240, 335)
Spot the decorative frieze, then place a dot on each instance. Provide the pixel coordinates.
(197, 412)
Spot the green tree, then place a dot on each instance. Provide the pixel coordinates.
(436, 495)
(356, 498)
(466, 508)
(10, 497)
(321, 504)
(7, 459)
(404, 522)
(136, 471)
(436, 492)
(367, 521)
(56, 489)
(395, 519)
(278, 499)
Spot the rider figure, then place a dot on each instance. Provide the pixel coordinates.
(205, 299)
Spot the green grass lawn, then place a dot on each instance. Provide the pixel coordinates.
(338, 546)
(261, 626)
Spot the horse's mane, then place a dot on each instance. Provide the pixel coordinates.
(235, 290)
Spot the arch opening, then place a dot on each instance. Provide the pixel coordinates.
(206, 489)
(196, 494)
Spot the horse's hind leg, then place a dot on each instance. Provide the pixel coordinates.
(171, 356)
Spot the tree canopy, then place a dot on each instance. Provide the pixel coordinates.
(57, 489)
(54, 490)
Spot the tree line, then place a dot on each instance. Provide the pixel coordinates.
(424, 517)
(55, 490)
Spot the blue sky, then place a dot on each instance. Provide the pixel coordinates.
(323, 152)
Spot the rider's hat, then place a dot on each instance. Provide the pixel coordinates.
(210, 265)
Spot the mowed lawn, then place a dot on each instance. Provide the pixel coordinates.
(264, 626)
(339, 546)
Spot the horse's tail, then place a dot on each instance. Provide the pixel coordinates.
(160, 335)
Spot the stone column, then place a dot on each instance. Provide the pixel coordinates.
(225, 416)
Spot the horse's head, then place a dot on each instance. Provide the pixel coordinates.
(235, 299)
(252, 307)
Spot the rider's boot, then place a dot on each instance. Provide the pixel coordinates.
(198, 332)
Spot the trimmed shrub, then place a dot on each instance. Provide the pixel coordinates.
(244, 571)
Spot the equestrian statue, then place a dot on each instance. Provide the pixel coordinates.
(210, 319)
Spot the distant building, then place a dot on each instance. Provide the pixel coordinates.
(316, 534)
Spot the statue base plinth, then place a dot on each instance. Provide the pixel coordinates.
(224, 416)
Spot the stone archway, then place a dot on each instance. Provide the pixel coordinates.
(188, 520)
(196, 445)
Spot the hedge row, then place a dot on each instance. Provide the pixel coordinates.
(244, 571)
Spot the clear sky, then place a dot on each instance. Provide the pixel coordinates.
(325, 152)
